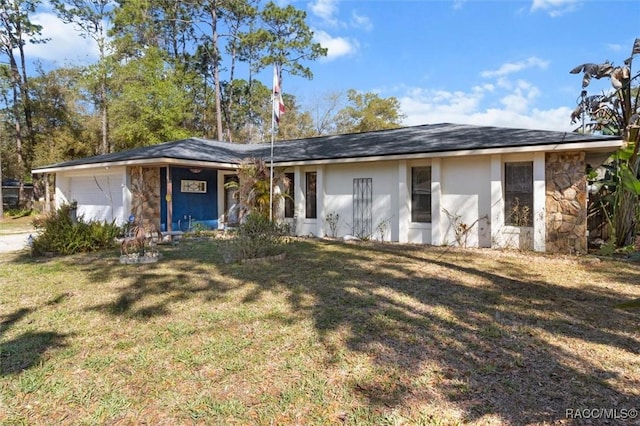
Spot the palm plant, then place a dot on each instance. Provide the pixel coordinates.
(616, 113)
(253, 186)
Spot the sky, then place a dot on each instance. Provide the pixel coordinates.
(483, 62)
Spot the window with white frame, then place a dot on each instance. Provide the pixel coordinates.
(310, 195)
(421, 194)
(518, 193)
(289, 200)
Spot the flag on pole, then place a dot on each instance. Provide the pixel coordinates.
(278, 104)
(636, 47)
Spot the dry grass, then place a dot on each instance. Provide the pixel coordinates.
(335, 334)
(13, 224)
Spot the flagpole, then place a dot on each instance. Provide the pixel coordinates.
(273, 132)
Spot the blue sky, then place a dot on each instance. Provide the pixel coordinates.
(503, 63)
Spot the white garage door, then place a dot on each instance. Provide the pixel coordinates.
(99, 197)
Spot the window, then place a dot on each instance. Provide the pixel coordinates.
(310, 195)
(199, 186)
(229, 192)
(421, 194)
(518, 193)
(289, 200)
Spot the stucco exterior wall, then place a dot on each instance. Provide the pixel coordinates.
(465, 191)
(466, 197)
(335, 195)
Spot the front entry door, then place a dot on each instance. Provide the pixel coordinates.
(194, 198)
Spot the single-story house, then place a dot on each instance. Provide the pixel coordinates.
(438, 184)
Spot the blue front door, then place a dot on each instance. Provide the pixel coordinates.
(194, 198)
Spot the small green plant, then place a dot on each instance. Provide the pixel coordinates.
(63, 233)
(198, 229)
(18, 212)
(332, 220)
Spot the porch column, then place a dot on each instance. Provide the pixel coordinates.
(47, 193)
(539, 199)
(404, 212)
(496, 222)
(320, 202)
(169, 198)
(436, 195)
(298, 199)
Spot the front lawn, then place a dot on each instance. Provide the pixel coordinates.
(337, 333)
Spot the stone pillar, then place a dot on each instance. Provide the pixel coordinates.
(145, 203)
(566, 203)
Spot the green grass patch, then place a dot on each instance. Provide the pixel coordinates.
(356, 334)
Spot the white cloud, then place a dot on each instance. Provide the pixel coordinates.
(555, 8)
(336, 46)
(513, 67)
(519, 100)
(613, 47)
(457, 4)
(65, 44)
(325, 9)
(360, 21)
(424, 106)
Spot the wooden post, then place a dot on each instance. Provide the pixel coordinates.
(169, 200)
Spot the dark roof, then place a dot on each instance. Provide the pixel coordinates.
(185, 149)
(407, 140)
(423, 139)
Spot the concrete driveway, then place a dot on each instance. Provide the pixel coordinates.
(13, 242)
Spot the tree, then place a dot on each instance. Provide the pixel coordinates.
(202, 39)
(366, 112)
(616, 112)
(90, 16)
(324, 113)
(212, 9)
(238, 15)
(17, 30)
(249, 110)
(58, 117)
(295, 123)
(149, 105)
(288, 41)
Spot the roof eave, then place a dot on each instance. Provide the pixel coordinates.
(592, 146)
(138, 162)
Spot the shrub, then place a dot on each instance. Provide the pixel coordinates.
(257, 237)
(18, 212)
(59, 234)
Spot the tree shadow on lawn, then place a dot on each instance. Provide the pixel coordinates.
(437, 326)
(152, 288)
(26, 350)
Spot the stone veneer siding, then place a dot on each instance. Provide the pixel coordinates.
(566, 203)
(145, 196)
